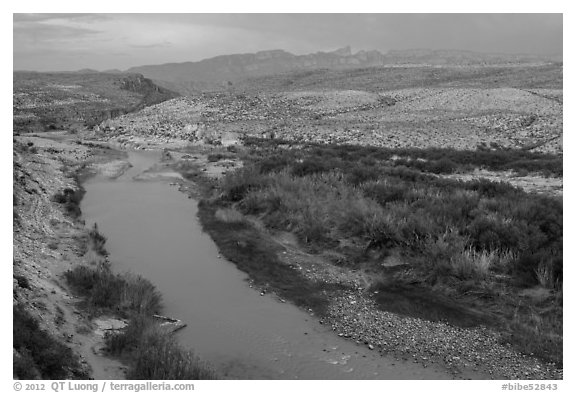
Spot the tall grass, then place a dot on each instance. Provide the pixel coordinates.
(395, 207)
(106, 290)
(160, 357)
(154, 354)
(460, 237)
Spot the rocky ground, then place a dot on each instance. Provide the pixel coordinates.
(354, 314)
(47, 242)
(414, 117)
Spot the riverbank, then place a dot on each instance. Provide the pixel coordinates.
(63, 285)
(344, 298)
(338, 297)
(47, 241)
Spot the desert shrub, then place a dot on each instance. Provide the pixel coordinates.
(97, 241)
(215, 157)
(128, 339)
(160, 357)
(326, 192)
(473, 264)
(310, 228)
(139, 295)
(22, 281)
(260, 201)
(443, 165)
(309, 166)
(492, 189)
(386, 192)
(71, 200)
(489, 231)
(106, 290)
(380, 231)
(543, 267)
(361, 174)
(99, 284)
(153, 353)
(236, 185)
(275, 164)
(449, 255)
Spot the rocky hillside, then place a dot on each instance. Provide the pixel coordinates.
(223, 71)
(53, 338)
(49, 101)
(416, 117)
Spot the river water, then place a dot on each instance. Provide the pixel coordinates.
(153, 231)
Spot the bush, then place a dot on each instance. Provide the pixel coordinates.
(159, 357)
(236, 185)
(105, 290)
(128, 340)
(38, 350)
(22, 281)
(97, 241)
(153, 353)
(309, 167)
(71, 200)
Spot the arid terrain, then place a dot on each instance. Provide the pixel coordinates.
(413, 210)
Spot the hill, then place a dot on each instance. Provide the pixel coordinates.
(459, 113)
(48, 101)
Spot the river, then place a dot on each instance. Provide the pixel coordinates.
(153, 231)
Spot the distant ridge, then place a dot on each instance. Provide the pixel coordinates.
(230, 68)
(113, 71)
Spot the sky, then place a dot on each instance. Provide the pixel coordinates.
(59, 42)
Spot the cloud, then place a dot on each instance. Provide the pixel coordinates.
(163, 44)
(123, 40)
(32, 36)
(83, 18)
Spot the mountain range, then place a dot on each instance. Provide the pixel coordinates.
(230, 68)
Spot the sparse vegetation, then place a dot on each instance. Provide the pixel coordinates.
(456, 237)
(150, 351)
(38, 354)
(108, 291)
(22, 281)
(154, 353)
(70, 199)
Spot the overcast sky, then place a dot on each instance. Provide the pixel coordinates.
(46, 42)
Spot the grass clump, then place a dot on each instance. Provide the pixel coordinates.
(105, 290)
(154, 354)
(97, 241)
(150, 351)
(160, 357)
